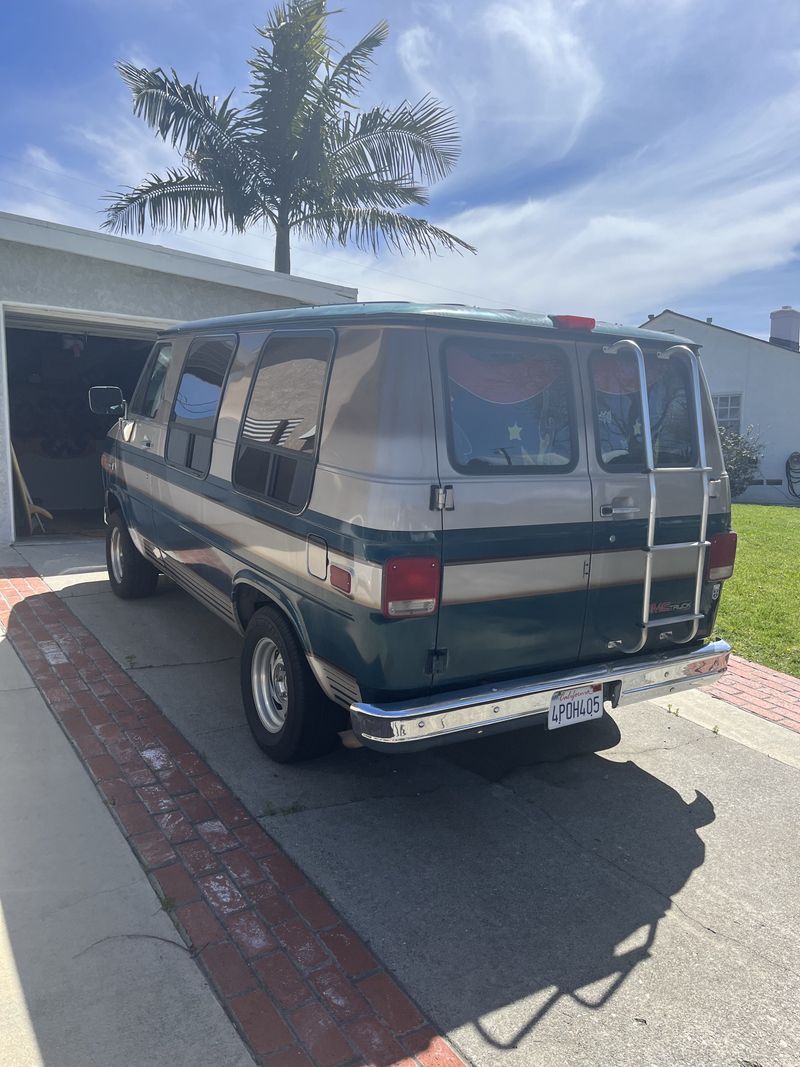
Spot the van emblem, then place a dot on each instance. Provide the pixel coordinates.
(515, 432)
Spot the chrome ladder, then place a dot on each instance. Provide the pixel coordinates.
(701, 468)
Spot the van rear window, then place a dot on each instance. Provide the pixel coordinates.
(511, 406)
(618, 410)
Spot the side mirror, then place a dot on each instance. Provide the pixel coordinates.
(107, 400)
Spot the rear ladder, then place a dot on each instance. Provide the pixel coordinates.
(702, 469)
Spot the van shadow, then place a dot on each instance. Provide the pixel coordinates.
(548, 892)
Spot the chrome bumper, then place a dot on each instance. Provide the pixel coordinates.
(456, 716)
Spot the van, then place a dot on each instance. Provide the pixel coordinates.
(428, 522)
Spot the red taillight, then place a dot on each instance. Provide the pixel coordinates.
(572, 322)
(410, 586)
(720, 556)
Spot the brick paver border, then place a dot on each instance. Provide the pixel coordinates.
(762, 691)
(300, 986)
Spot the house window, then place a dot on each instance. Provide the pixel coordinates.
(278, 442)
(728, 409)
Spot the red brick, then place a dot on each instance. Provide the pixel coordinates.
(270, 902)
(116, 791)
(88, 745)
(103, 768)
(196, 807)
(313, 907)
(199, 923)
(228, 971)
(134, 818)
(300, 944)
(243, 867)
(176, 884)
(350, 951)
(138, 773)
(288, 1057)
(390, 1003)
(156, 757)
(175, 826)
(250, 934)
(156, 799)
(431, 1049)
(282, 980)
(375, 1043)
(153, 847)
(256, 840)
(231, 812)
(175, 781)
(339, 994)
(198, 859)
(222, 894)
(260, 1023)
(212, 787)
(282, 871)
(191, 764)
(321, 1036)
(216, 835)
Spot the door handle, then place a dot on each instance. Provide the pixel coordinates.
(146, 442)
(607, 510)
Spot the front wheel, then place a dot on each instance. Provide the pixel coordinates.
(129, 573)
(289, 715)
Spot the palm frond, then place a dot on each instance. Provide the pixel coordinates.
(420, 140)
(371, 228)
(182, 113)
(181, 199)
(352, 69)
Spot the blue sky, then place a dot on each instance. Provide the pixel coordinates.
(619, 156)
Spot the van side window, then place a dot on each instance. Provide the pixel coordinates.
(278, 441)
(618, 410)
(150, 390)
(194, 414)
(510, 405)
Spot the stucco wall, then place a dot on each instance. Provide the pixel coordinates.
(768, 378)
(31, 275)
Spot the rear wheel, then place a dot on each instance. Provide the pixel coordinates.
(129, 573)
(289, 715)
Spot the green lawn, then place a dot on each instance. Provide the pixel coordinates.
(760, 610)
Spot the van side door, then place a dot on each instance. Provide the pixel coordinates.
(516, 498)
(141, 444)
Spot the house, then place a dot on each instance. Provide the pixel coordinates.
(81, 308)
(754, 382)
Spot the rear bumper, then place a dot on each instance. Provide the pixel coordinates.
(456, 716)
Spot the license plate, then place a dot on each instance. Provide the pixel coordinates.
(571, 706)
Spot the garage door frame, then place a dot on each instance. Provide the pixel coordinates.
(58, 320)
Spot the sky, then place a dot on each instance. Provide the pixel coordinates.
(618, 156)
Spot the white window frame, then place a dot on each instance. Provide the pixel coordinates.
(728, 410)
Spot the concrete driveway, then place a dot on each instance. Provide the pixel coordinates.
(626, 895)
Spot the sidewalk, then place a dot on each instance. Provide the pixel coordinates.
(91, 969)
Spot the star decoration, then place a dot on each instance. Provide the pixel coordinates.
(515, 432)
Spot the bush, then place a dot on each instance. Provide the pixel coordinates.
(743, 453)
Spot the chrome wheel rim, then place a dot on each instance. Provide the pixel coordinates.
(270, 685)
(116, 554)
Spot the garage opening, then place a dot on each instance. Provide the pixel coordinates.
(56, 439)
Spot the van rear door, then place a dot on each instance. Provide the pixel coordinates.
(516, 504)
(650, 489)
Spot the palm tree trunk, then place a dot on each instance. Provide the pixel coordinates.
(283, 259)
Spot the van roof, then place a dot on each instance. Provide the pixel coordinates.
(404, 310)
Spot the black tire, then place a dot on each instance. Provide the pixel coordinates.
(131, 576)
(303, 722)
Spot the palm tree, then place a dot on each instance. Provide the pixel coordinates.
(301, 155)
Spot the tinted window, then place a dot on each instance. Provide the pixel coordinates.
(280, 426)
(197, 400)
(150, 390)
(200, 387)
(510, 406)
(618, 410)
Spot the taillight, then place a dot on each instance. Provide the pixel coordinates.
(410, 586)
(572, 322)
(720, 556)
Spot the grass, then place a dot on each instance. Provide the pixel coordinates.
(760, 613)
